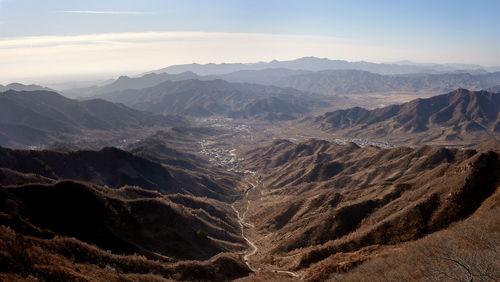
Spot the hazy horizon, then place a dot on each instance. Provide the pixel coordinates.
(94, 77)
(59, 40)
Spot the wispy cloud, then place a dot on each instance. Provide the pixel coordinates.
(95, 12)
(28, 58)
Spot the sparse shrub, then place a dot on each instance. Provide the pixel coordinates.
(201, 234)
(468, 251)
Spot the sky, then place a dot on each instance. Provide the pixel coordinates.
(60, 40)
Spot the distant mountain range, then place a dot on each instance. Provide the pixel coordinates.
(125, 82)
(319, 64)
(334, 82)
(38, 117)
(459, 117)
(217, 97)
(329, 82)
(22, 87)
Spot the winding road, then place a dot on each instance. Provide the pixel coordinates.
(253, 247)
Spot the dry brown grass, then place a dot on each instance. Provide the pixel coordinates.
(468, 251)
(125, 221)
(65, 259)
(379, 199)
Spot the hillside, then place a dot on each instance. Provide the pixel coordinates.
(319, 205)
(38, 117)
(178, 149)
(23, 87)
(313, 209)
(115, 168)
(68, 229)
(109, 166)
(439, 256)
(327, 82)
(271, 109)
(177, 146)
(461, 117)
(125, 82)
(214, 97)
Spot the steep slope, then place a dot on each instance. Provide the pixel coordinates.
(319, 199)
(178, 146)
(125, 221)
(12, 177)
(115, 168)
(468, 250)
(125, 82)
(109, 166)
(178, 149)
(69, 259)
(206, 98)
(47, 116)
(459, 117)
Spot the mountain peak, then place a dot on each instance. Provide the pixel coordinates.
(123, 77)
(458, 117)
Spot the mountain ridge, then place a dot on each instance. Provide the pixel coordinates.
(312, 64)
(462, 116)
(326, 82)
(23, 87)
(115, 168)
(201, 98)
(325, 204)
(52, 116)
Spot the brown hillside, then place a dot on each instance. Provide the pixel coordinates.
(468, 250)
(38, 117)
(126, 220)
(68, 259)
(460, 117)
(115, 168)
(320, 198)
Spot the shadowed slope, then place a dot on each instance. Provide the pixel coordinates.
(50, 116)
(115, 168)
(126, 220)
